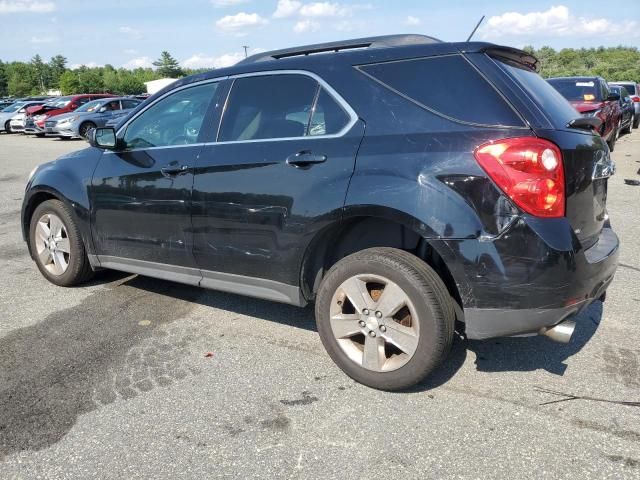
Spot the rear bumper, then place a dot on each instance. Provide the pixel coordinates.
(531, 278)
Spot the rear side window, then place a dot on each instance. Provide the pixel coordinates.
(549, 100)
(447, 85)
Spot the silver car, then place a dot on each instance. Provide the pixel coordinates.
(93, 114)
(11, 111)
(634, 91)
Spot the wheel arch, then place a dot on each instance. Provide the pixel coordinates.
(378, 227)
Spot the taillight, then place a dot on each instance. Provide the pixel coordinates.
(529, 171)
(635, 98)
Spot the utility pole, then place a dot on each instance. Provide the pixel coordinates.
(246, 47)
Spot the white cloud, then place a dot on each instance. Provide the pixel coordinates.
(130, 51)
(235, 23)
(43, 39)
(31, 6)
(412, 21)
(201, 60)
(131, 32)
(227, 3)
(286, 8)
(139, 62)
(307, 25)
(557, 21)
(323, 9)
(75, 66)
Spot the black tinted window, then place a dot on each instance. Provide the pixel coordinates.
(126, 104)
(328, 116)
(449, 85)
(173, 120)
(551, 102)
(270, 106)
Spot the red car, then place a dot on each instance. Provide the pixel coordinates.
(36, 116)
(592, 98)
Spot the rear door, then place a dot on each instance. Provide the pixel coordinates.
(277, 174)
(587, 162)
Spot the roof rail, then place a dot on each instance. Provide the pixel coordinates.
(367, 42)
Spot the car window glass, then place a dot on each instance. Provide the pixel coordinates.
(126, 104)
(173, 120)
(448, 85)
(113, 105)
(270, 106)
(82, 101)
(328, 116)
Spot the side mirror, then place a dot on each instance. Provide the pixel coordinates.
(102, 109)
(104, 137)
(613, 97)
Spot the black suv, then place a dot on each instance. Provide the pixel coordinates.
(400, 183)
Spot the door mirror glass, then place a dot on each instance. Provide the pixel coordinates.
(102, 138)
(102, 109)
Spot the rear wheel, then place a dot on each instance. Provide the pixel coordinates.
(56, 245)
(385, 318)
(85, 127)
(636, 121)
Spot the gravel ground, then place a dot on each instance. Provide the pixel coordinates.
(112, 380)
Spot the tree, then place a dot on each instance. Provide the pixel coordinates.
(69, 83)
(41, 71)
(168, 66)
(4, 90)
(57, 66)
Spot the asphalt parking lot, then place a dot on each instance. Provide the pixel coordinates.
(115, 380)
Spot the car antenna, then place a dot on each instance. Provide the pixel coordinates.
(474, 30)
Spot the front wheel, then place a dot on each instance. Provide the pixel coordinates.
(56, 245)
(385, 318)
(614, 136)
(7, 127)
(84, 129)
(630, 126)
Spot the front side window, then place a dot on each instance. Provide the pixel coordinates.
(173, 120)
(127, 104)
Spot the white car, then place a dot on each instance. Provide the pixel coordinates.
(12, 110)
(17, 122)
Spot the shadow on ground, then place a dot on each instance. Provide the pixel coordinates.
(125, 341)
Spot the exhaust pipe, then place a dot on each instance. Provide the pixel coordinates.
(561, 332)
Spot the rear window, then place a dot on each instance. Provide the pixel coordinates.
(447, 85)
(577, 90)
(549, 100)
(631, 87)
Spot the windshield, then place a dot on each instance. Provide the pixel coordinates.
(13, 108)
(91, 106)
(59, 102)
(576, 90)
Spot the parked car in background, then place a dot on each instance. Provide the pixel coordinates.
(94, 114)
(401, 185)
(12, 110)
(634, 91)
(626, 107)
(35, 124)
(5, 104)
(592, 98)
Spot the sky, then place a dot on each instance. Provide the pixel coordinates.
(212, 33)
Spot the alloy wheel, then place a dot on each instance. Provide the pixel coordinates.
(52, 244)
(374, 323)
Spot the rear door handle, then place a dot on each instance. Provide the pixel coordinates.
(173, 170)
(305, 158)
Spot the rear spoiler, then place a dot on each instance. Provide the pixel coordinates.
(514, 55)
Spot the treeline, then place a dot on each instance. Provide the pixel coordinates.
(613, 63)
(36, 77)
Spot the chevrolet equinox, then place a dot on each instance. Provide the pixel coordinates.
(406, 186)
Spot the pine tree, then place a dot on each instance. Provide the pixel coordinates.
(3, 81)
(168, 66)
(41, 71)
(57, 66)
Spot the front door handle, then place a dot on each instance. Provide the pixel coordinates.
(305, 158)
(173, 170)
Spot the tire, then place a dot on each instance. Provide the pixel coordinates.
(40, 135)
(7, 127)
(84, 129)
(636, 121)
(426, 312)
(51, 262)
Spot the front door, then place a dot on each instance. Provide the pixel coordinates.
(141, 193)
(278, 173)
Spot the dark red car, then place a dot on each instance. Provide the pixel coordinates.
(36, 116)
(592, 98)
